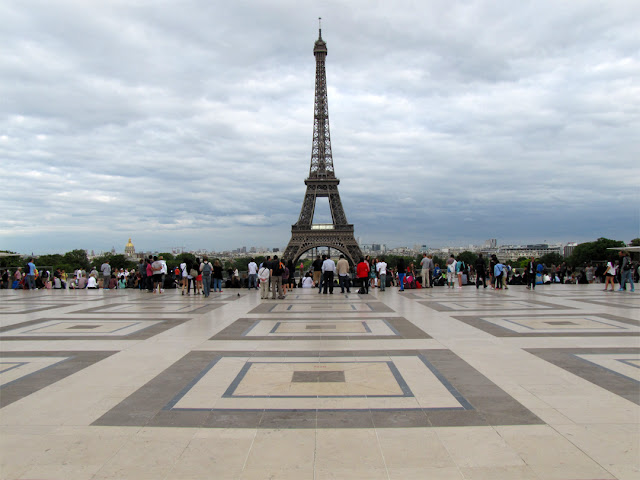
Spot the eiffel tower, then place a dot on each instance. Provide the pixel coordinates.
(322, 182)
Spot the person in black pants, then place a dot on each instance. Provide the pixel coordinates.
(530, 271)
(481, 271)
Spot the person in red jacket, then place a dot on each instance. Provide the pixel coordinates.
(362, 271)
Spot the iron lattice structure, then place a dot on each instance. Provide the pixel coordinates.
(322, 182)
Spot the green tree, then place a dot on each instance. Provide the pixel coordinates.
(167, 257)
(76, 259)
(522, 262)
(186, 257)
(551, 259)
(54, 261)
(116, 261)
(594, 252)
(635, 242)
(469, 258)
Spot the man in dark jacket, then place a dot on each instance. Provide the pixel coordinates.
(530, 273)
(481, 271)
(277, 269)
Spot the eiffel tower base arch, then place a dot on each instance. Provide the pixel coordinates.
(304, 240)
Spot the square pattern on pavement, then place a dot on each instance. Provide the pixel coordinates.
(430, 383)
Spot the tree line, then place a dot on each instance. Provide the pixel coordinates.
(584, 253)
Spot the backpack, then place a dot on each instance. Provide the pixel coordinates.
(207, 269)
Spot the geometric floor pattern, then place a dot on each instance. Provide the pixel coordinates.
(432, 383)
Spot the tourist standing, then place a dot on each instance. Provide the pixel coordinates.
(276, 270)
(207, 269)
(451, 271)
(253, 274)
(498, 272)
(198, 277)
(105, 268)
(459, 272)
(156, 266)
(362, 272)
(184, 275)
(424, 270)
(481, 272)
(589, 272)
(609, 276)
(320, 281)
(626, 271)
(343, 274)
(285, 278)
(217, 276)
(402, 271)
(263, 277)
(317, 270)
(149, 277)
(530, 272)
(381, 267)
(31, 275)
(328, 271)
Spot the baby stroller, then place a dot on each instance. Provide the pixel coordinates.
(438, 280)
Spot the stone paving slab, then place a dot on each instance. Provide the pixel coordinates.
(430, 383)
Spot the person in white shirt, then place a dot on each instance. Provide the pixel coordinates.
(91, 282)
(381, 267)
(253, 274)
(328, 270)
(184, 274)
(308, 281)
(263, 277)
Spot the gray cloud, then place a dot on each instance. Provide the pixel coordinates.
(191, 124)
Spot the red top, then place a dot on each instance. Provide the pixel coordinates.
(363, 270)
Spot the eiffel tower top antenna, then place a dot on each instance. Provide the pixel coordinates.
(320, 27)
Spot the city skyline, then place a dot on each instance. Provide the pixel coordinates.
(450, 122)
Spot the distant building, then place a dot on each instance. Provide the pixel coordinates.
(513, 252)
(569, 248)
(129, 249)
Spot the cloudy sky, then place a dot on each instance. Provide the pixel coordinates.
(190, 123)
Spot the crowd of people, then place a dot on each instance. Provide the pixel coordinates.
(275, 277)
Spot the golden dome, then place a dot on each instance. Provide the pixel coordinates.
(129, 244)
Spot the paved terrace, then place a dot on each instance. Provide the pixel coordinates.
(423, 384)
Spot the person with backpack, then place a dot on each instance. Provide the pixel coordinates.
(207, 269)
(276, 270)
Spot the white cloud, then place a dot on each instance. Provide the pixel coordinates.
(192, 124)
